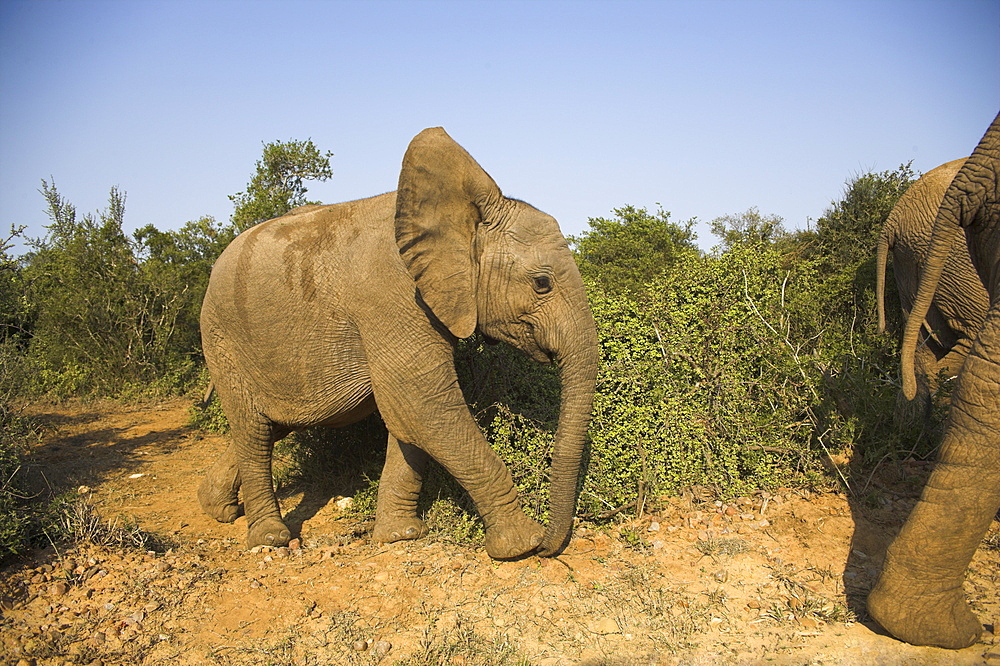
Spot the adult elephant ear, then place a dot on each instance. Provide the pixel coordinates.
(441, 199)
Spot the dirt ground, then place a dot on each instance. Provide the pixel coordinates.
(777, 578)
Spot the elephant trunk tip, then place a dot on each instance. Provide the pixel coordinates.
(553, 543)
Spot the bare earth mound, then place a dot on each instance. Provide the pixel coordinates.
(773, 579)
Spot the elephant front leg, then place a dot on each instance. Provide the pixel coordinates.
(919, 596)
(398, 491)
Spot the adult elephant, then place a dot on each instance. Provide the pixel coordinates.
(329, 312)
(959, 306)
(918, 597)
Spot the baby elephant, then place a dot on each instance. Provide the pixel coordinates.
(325, 314)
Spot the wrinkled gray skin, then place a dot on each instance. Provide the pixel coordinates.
(322, 315)
(918, 597)
(959, 307)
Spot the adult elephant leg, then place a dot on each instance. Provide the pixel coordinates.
(398, 492)
(919, 597)
(218, 493)
(253, 438)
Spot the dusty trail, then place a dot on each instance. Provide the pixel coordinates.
(770, 579)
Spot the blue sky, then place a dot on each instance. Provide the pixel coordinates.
(706, 108)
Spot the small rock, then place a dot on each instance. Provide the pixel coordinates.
(295, 544)
(808, 622)
(381, 647)
(343, 504)
(58, 589)
(281, 552)
(162, 566)
(653, 527)
(721, 576)
(84, 490)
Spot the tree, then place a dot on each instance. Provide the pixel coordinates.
(277, 186)
(101, 322)
(748, 228)
(177, 265)
(14, 307)
(628, 251)
(848, 231)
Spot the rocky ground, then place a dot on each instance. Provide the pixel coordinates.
(777, 578)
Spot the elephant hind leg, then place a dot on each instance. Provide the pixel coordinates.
(253, 438)
(398, 491)
(218, 493)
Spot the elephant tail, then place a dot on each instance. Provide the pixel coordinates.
(882, 257)
(207, 398)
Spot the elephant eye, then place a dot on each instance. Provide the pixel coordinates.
(542, 283)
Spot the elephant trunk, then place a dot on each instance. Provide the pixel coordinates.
(946, 228)
(578, 371)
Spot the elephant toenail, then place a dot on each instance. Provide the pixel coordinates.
(411, 531)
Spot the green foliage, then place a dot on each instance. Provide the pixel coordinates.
(277, 185)
(848, 230)
(15, 434)
(625, 252)
(103, 320)
(748, 228)
(15, 309)
(18, 518)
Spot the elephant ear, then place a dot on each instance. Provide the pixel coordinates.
(442, 192)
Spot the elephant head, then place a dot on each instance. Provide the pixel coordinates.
(482, 261)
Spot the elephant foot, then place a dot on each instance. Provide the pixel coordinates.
(513, 537)
(268, 532)
(941, 619)
(388, 530)
(219, 500)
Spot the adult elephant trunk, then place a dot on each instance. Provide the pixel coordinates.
(946, 228)
(578, 370)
